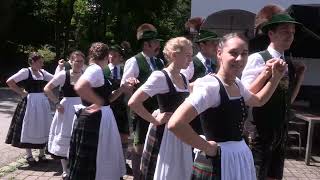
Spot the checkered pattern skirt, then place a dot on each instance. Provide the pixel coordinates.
(206, 168)
(151, 151)
(14, 132)
(83, 146)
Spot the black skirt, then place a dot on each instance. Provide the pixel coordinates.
(14, 132)
(83, 146)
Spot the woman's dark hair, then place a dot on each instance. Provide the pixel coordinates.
(98, 51)
(33, 56)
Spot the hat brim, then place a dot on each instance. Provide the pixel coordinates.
(148, 39)
(207, 39)
(266, 27)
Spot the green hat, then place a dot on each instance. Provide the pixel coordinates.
(205, 35)
(279, 19)
(117, 48)
(149, 35)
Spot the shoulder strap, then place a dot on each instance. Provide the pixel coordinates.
(184, 80)
(169, 82)
(67, 81)
(223, 93)
(30, 75)
(67, 66)
(265, 55)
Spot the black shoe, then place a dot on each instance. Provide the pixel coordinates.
(129, 169)
(42, 159)
(31, 161)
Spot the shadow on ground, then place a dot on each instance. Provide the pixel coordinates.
(50, 166)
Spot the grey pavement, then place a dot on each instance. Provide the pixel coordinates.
(13, 167)
(8, 102)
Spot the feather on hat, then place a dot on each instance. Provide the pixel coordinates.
(265, 14)
(144, 27)
(194, 24)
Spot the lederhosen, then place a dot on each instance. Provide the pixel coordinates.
(269, 126)
(168, 102)
(85, 136)
(140, 126)
(14, 134)
(67, 90)
(119, 106)
(199, 71)
(220, 124)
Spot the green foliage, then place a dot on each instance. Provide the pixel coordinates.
(47, 51)
(75, 24)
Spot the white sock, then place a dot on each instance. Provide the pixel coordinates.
(29, 153)
(64, 163)
(41, 152)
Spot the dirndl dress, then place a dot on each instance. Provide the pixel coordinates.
(164, 155)
(31, 121)
(61, 127)
(95, 148)
(224, 125)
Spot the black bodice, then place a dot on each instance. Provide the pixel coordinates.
(225, 122)
(67, 88)
(32, 85)
(170, 101)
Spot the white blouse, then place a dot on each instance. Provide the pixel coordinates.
(206, 95)
(255, 65)
(23, 74)
(157, 84)
(94, 75)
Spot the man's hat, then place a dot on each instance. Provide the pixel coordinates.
(149, 35)
(279, 19)
(147, 32)
(117, 48)
(205, 35)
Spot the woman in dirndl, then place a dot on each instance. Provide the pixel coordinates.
(95, 148)
(221, 100)
(30, 125)
(61, 127)
(164, 155)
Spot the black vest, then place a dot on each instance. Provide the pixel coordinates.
(274, 112)
(170, 101)
(68, 89)
(34, 86)
(103, 91)
(225, 122)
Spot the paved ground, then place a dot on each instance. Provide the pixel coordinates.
(13, 167)
(8, 102)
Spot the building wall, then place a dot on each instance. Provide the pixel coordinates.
(204, 8)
